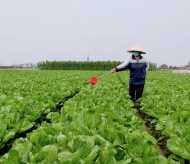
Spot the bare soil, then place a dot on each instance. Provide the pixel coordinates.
(151, 129)
(181, 71)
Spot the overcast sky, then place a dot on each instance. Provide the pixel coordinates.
(62, 30)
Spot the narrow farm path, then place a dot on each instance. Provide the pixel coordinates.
(150, 129)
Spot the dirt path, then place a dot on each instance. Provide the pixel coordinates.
(150, 129)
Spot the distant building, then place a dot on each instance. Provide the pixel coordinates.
(26, 65)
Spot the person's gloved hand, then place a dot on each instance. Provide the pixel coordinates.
(113, 70)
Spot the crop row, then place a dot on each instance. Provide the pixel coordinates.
(26, 97)
(97, 125)
(167, 100)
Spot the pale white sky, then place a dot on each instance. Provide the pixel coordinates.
(39, 30)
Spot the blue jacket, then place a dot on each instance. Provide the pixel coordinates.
(137, 69)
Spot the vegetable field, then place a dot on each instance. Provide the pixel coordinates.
(57, 117)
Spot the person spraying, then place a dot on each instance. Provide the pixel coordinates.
(138, 67)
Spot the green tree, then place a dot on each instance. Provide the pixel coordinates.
(152, 66)
(163, 66)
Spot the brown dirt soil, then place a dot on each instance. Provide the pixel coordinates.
(150, 129)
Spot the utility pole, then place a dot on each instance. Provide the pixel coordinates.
(88, 58)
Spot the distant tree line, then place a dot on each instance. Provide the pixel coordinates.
(77, 65)
(152, 66)
(83, 65)
(6, 67)
(165, 66)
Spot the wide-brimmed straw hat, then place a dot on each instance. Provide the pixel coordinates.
(136, 48)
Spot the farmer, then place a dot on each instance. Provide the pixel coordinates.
(138, 66)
